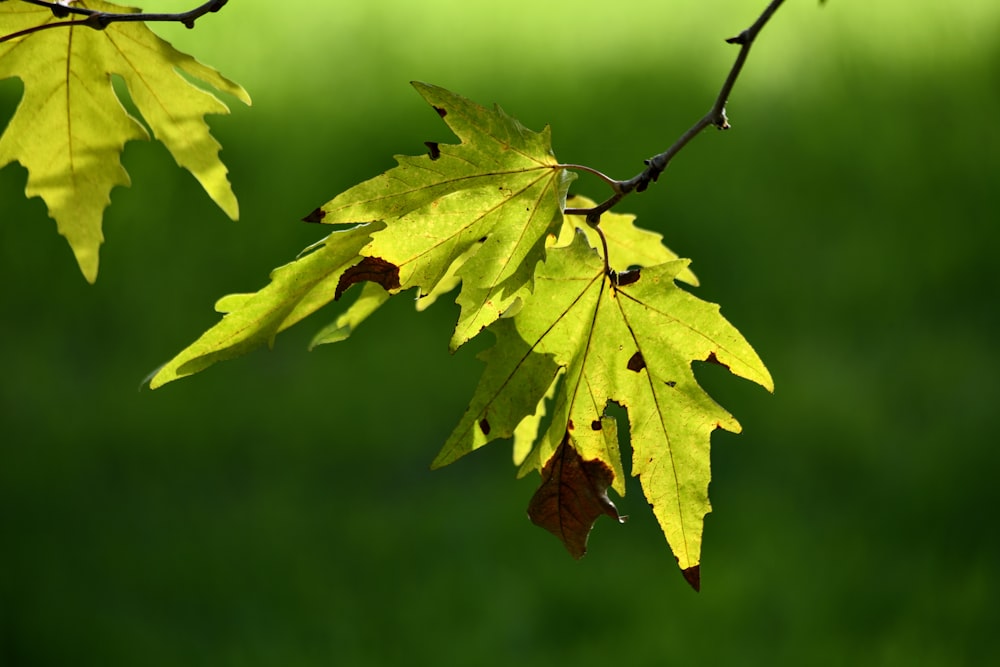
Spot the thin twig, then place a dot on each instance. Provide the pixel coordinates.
(716, 116)
(101, 20)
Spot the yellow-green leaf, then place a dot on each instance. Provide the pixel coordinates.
(630, 341)
(488, 204)
(70, 127)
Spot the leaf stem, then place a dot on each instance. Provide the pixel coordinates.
(716, 116)
(604, 242)
(101, 20)
(582, 167)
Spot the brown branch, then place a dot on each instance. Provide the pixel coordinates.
(716, 116)
(101, 20)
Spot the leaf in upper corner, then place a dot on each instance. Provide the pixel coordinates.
(479, 211)
(297, 290)
(70, 127)
(632, 344)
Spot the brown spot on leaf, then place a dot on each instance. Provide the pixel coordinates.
(569, 425)
(315, 216)
(369, 269)
(636, 363)
(712, 359)
(432, 149)
(693, 577)
(627, 278)
(573, 494)
(441, 112)
(484, 426)
(596, 425)
(671, 384)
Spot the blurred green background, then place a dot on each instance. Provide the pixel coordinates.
(278, 509)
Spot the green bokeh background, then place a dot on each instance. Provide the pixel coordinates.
(279, 510)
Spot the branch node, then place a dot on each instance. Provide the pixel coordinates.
(740, 39)
(99, 20)
(721, 121)
(716, 116)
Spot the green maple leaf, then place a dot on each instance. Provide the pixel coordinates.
(70, 128)
(478, 212)
(628, 338)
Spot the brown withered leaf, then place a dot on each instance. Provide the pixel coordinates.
(573, 494)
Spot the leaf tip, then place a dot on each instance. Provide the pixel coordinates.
(316, 216)
(153, 379)
(693, 576)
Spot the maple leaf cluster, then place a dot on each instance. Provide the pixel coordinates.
(585, 313)
(575, 330)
